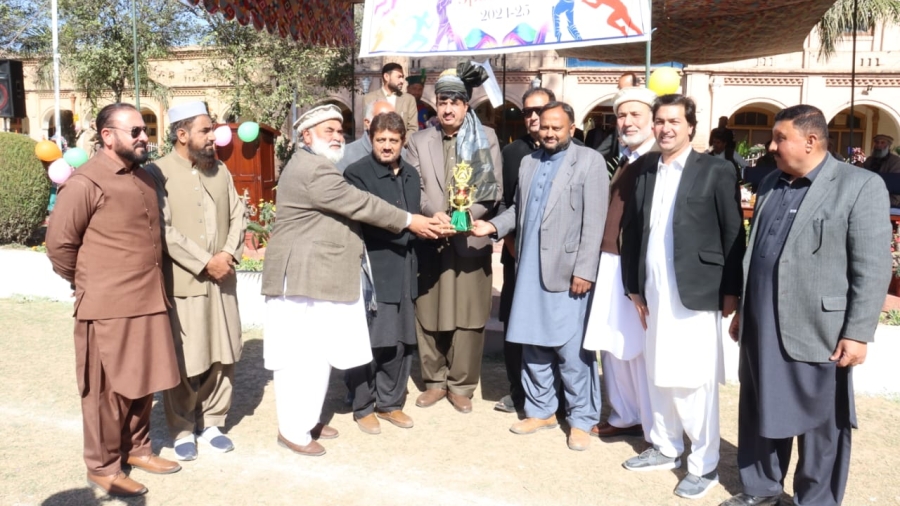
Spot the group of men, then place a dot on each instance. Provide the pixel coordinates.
(365, 264)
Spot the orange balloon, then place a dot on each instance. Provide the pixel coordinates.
(47, 151)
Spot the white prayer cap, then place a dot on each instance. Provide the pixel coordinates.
(634, 94)
(317, 115)
(188, 110)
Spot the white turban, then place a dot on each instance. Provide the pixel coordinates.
(188, 110)
(317, 115)
(634, 94)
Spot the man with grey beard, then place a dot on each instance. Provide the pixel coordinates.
(882, 161)
(614, 326)
(204, 230)
(316, 307)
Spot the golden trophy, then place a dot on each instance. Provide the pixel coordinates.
(461, 197)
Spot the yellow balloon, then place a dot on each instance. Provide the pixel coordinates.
(47, 151)
(664, 80)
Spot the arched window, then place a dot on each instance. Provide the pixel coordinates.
(839, 131)
(751, 124)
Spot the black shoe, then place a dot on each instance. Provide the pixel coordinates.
(752, 500)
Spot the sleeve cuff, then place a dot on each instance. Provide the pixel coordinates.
(408, 220)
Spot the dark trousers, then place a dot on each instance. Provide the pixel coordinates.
(821, 475)
(451, 360)
(512, 352)
(381, 384)
(114, 426)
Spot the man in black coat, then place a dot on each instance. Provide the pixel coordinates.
(379, 387)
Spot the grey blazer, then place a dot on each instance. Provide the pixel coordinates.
(573, 221)
(426, 153)
(316, 245)
(836, 264)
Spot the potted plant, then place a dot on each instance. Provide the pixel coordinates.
(894, 288)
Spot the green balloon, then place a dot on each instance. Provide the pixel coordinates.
(249, 131)
(75, 157)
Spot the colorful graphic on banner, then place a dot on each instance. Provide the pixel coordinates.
(427, 27)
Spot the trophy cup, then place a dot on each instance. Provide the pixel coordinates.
(461, 195)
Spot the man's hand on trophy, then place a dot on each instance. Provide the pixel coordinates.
(426, 228)
(446, 229)
(483, 228)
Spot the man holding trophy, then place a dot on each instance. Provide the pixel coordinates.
(455, 271)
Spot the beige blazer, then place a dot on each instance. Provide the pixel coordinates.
(426, 153)
(405, 106)
(316, 245)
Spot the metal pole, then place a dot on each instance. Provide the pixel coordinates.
(137, 85)
(647, 53)
(56, 116)
(505, 131)
(352, 71)
(853, 79)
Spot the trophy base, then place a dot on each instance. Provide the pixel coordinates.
(461, 221)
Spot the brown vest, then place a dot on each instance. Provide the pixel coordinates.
(184, 187)
(118, 274)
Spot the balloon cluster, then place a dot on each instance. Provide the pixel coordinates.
(664, 80)
(247, 132)
(61, 165)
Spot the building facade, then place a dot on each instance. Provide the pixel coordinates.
(749, 92)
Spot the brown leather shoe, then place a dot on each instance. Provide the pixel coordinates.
(607, 430)
(578, 440)
(397, 417)
(532, 425)
(368, 424)
(313, 449)
(430, 396)
(462, 403)
(322, 431)
(153, 464)
(118, 485)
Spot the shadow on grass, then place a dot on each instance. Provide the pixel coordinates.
(86, 497)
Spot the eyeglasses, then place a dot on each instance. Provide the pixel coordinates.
(528, 111)
(135, 131)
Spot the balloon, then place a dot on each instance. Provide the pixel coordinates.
(223, 135)
(664, 80)
(47, 151)
(59, 171)
(249, 131)
(75, 157)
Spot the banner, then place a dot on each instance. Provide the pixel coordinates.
(434, 27)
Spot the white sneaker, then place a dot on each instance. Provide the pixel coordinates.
(695, 487)
(215, 439)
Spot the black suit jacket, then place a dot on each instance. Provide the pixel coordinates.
(387, 250)
(708, 231)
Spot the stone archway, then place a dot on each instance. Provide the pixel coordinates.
(752, 122)
(599, 122)
(869, 118)
(66, 119)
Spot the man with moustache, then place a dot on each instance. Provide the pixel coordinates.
(682, 244)
(104, 238)
(533, 101)
(362, 147)
(204, 230)
(815, 274)
(614, 327)
(559, 211)
(392, 91)
(312, 278)
(380, 386)
(610, 147)
(454, 272)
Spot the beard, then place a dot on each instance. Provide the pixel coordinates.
(635, 139)
(880, 153)
(129, 152)
(394, 87)
(560, 146)
(323, 148)
(204, 158)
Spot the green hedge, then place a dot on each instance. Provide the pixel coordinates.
(24, 189)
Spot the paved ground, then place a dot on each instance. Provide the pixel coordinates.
(446, 459)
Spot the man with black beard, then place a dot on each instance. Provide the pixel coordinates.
(204, 225)
(104, 238)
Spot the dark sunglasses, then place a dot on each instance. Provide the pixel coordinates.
(528, 111)
(135, 131)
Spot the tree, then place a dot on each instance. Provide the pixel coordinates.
(96, 44)
(21, 31)
(264, 71)
(837, 22)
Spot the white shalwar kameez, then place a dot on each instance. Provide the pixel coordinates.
(614, 328)
(304, 339)
(683, 348)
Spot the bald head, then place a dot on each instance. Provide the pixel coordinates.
(377, 107)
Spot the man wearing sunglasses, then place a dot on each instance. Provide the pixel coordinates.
(105, 238)
(204, 225)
